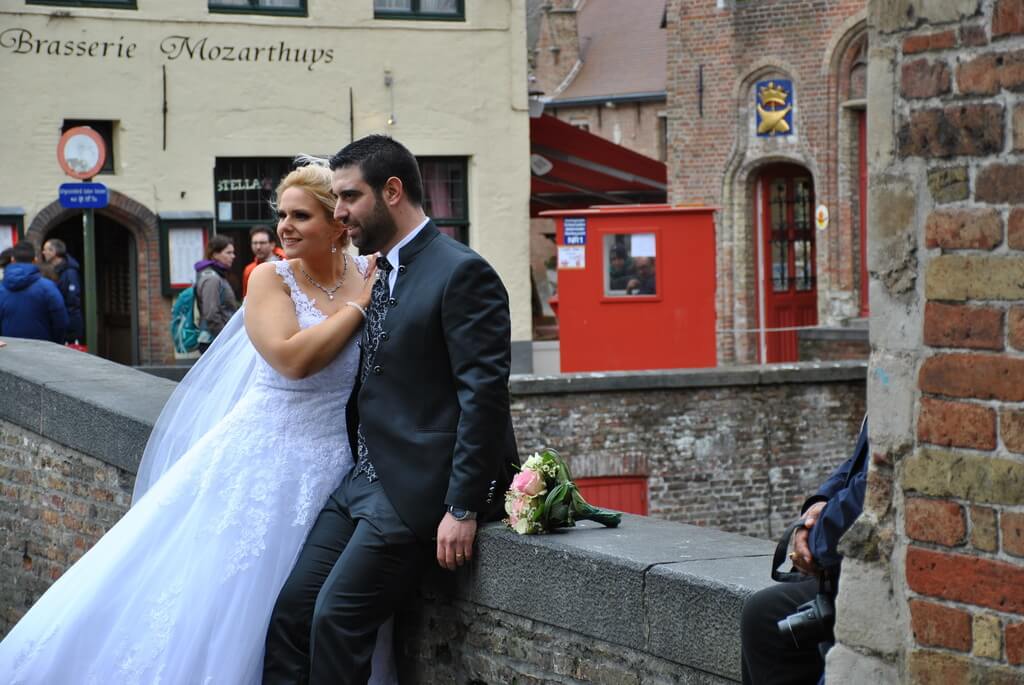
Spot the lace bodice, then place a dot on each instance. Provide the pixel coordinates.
(339, 375)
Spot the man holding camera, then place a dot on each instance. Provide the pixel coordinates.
(783, 625)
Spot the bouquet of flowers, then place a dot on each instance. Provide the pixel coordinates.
(543, 497)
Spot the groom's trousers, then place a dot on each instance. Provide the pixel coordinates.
(359, 563)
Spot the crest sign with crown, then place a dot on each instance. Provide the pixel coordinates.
(774, 107)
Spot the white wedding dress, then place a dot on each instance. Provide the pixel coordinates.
(181, 589)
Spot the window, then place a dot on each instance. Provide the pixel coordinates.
(12, 226)
(629, 261)
(581, 124)
(445, 194)
(106, 131)
(123, 4)
(294, 7)
(452, 10)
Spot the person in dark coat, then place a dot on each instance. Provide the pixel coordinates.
(768, 657)
(30, 305)
(69, 282)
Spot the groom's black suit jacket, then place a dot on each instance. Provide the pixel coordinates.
(435, 405)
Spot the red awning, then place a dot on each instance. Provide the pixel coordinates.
(574, 169)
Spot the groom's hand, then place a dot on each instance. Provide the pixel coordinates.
(455, 542)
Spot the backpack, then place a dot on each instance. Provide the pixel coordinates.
(185, 322)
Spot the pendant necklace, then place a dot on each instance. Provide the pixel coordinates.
(329, 291)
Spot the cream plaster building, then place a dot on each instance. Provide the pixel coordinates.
(204, 103)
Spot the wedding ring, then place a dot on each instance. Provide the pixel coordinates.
(459, 556)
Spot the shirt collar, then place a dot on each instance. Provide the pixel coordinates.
(393, 254)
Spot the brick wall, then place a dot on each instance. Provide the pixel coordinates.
(945, 504)
(739, 451)
(55, 503)
(715, 56)
(633, 125)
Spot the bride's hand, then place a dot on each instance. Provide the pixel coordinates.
(371, 277)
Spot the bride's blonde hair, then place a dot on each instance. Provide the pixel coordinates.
(315, 178)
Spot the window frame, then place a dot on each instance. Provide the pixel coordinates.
(168, 221)
(461, 223)
(415, 14)
(214, 8)
(14, 216)
(89, 4)
(659, 287)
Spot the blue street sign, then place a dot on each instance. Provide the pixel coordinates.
(83, 195)
(574, 230)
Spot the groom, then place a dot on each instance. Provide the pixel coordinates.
(433, 440)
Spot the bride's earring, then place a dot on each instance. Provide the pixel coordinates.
(334, 248)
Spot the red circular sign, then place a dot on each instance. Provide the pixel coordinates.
(81, 152)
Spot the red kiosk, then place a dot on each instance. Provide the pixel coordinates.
(636, 287)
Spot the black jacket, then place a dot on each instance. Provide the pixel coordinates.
(435, 405)
(70, 285)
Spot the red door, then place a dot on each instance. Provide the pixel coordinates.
(862, 200)
(787, 231)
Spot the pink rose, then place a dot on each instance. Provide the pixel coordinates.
(528, 482)
(518, 505)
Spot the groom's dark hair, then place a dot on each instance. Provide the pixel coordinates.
(379, 158)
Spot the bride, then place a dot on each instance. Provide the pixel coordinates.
(238, 466)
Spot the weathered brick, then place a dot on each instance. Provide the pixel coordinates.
(973, 36)
(984, 529)
(1015, 327)
(980, 479)
(1011, 427)
(956, 424)
(1007, 18)
(961, 578)
(975, 277)
(942, 40)
(981, 376)
(948, 184)
(941, 668)
(923, 78)
(936, 625)
(960, 130)
(991, 72)
(1017, 128)
(1015, 228)
(987, 631)
(1012, 527)
(979, 76)
(938, 521)
(955, 325)
(1014, 639)
(999, 184)
(964, 228)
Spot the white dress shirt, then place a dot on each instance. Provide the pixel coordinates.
(392, 255)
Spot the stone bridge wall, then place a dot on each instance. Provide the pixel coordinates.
(655, 601)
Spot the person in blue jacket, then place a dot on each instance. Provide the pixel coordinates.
(30, 306)
(768, 657)
(69, 282)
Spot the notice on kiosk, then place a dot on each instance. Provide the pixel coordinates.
(572, 257)
(574, 230)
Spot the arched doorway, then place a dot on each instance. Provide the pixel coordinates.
(786, 264)
(116, 284)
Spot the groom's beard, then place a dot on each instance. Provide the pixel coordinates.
(376, 230)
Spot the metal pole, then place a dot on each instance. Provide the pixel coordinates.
(91, 295)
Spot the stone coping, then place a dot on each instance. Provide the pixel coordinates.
(668, 379)
(837, 333)
(668, 589)
(89, 404)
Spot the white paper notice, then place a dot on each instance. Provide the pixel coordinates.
(641, 245)
(6, 236)
(223, 211)
(572, 257)
(185, 248)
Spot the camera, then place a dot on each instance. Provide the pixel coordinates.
(812, 622)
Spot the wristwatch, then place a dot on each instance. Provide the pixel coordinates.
(460, 514)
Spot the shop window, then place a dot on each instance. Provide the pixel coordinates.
(12, 226)
(294, 7)
(450, 10)
(445, 195)
(630, 266)
(119, 4)
(106, 131)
